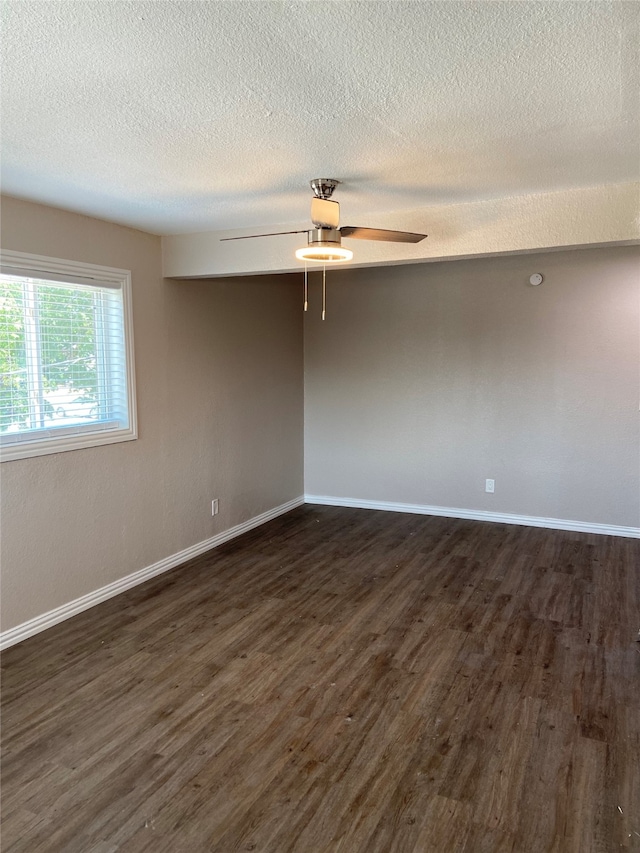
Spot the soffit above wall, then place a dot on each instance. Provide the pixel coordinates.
(593, 216)
(177, 117)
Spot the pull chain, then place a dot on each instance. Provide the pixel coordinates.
(324, 290)
(306, 289)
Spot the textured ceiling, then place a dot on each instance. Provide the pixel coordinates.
(179, 116)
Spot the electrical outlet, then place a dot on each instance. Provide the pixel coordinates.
(214, 506)
(490, 486)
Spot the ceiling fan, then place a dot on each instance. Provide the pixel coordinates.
(324, 240)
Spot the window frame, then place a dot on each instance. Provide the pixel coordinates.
(61, 439)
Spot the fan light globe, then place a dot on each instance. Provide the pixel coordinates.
(324, 253)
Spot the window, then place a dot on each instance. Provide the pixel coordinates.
(66, 356)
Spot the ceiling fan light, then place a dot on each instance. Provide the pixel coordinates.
(328, 253)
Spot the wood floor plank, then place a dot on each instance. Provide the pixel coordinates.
(340, 681)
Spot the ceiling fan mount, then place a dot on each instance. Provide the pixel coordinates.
(323, 187)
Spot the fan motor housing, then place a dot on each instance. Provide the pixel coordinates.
(324, 235)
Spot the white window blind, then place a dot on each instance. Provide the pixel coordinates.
(65, 356)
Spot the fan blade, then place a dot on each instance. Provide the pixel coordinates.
(275, 234)
(381, 234)
(325, 213)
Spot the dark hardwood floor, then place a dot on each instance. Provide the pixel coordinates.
(340, 681)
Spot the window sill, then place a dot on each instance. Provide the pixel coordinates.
(73, 439)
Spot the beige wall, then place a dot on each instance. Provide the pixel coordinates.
(426, 380)
(220, 412)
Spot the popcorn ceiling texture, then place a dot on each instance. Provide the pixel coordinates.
(182, 117)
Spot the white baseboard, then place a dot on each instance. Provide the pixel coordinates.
(478, 515)
(66, 611)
